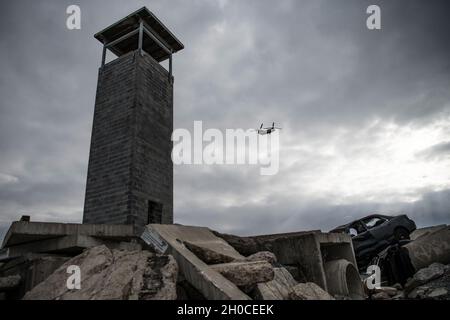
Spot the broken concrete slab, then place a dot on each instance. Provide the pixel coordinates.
(210, 283)
(278, 288)
(23, 232)
(399, 296)
(390, 291)
(386, 293)
(309, 291)
(65, 245)
(380, 296)
(112, 274)
(437, 293)
(425, 275)
(247, 273)
(433, 271)
(200, 237)
(263, 256)
(430, 248)
(308, 251)
(246, 246)
(426, 292)
(207, 255)
(425, 231)
(253, 244)
(70, 239)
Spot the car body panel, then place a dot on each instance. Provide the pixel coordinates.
(374, 233)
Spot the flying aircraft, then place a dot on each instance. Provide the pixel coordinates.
(269, 130)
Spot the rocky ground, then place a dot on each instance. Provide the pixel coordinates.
(140, 274)
(432, 282)
(135, 272)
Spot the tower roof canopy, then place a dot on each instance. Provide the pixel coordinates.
(122, 36)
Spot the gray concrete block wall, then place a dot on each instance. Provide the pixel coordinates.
(130, 163)
(153, 168)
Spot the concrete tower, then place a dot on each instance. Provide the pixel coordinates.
(130, 173)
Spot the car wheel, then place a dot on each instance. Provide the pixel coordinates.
(401, 234)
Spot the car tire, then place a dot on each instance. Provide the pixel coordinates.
(401, 234)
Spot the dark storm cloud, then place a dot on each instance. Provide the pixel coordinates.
(311, 66)
(306, 60)
(285, 216)
(440, 150)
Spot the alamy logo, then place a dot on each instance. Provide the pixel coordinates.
(373, 281)
(73, 21)
(234, 147)
(374, 20)
(74, 280)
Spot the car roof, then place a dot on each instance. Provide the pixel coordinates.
(375, 215)
(344, 226)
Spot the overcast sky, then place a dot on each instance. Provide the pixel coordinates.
(365, 114)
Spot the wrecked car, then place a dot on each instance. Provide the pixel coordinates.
(374, 233)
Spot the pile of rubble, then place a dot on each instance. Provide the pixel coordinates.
(303, 265)
(432, 282)
(193, 263)
(417, 268)
(112, 275)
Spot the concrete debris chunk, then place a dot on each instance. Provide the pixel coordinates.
(246, 274)
(439, 292)
(244, 245)
(386, 293)
(418, 293)
(390, 291)
(207, 255)
(430, 248)
(399, 296)
(309, 291)
(425, 275)
(207, 281)
(381, 296)
(262, 256)
(112, 275)
(426, 231)
(426, 292)
(278, 288)
(306, 251)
